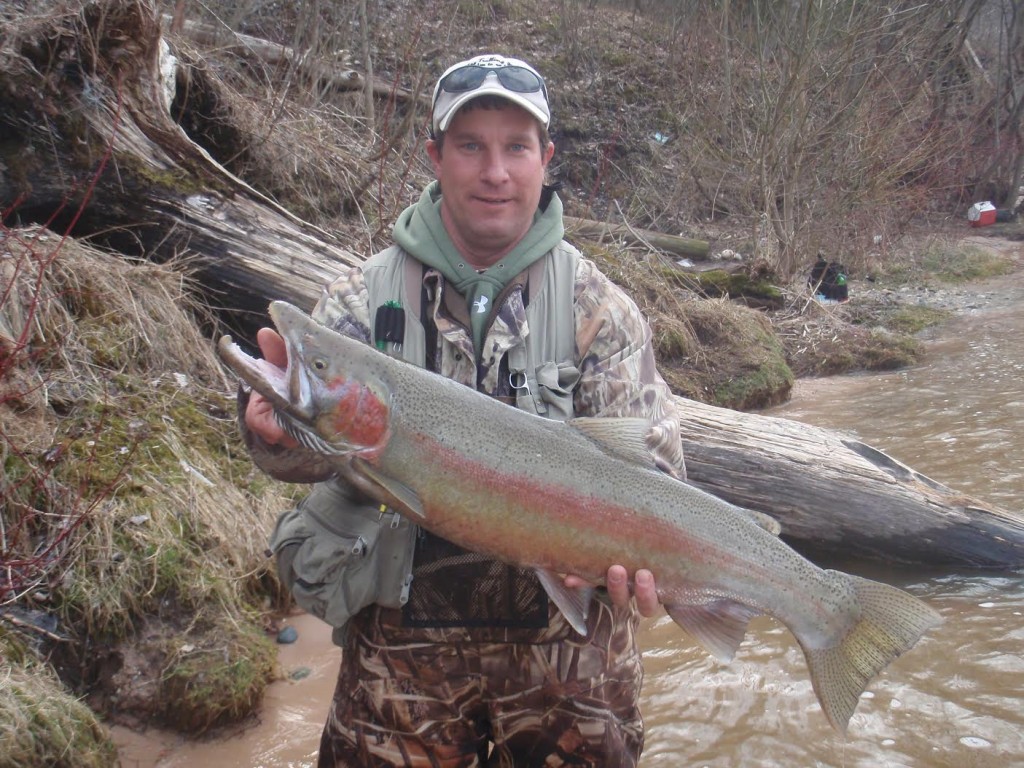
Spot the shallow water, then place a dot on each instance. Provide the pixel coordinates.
(957, 699)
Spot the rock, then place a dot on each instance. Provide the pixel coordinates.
(287, 635)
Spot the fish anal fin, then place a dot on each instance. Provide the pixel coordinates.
(718, 625)
(573, 603)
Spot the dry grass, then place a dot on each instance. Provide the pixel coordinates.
(712, 350)
(127, 490)
(41, 724)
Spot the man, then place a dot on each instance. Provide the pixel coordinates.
(451, 659)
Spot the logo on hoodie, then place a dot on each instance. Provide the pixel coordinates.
(480, 305)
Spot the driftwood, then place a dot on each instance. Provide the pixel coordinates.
(840, 497)
(659, 241)
(90, 148)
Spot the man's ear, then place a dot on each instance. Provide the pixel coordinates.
(434, 153)
(549, 152)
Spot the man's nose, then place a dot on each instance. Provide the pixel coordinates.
(495, 169)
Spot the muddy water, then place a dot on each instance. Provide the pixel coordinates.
(956, 700)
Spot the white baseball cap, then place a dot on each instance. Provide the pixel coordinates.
(490, 74)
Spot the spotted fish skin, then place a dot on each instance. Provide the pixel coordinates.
(574, 497)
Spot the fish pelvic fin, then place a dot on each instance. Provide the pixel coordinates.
(573, 603)
(891, 622)
(719, 625)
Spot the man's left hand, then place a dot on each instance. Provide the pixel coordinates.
(617, 582)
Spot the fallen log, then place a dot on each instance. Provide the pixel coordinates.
(659, 241)
(838, 497)
(91, 149)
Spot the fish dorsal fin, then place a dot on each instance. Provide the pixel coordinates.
(573, 603)
(625, 437)
(384, 489)
(719, 626)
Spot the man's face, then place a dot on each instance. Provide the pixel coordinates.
(491, 171)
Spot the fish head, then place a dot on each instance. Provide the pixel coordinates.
(332, 382)
(328, 397)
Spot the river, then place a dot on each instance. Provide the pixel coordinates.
(956, 700)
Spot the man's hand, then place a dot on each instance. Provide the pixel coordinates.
(617, 582)
(259, 413)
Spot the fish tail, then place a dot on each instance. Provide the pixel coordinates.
(891, 621)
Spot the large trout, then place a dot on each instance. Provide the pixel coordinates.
(573, 497)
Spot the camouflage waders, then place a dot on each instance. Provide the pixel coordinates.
(400, 701)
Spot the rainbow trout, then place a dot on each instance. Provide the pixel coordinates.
(573, 497)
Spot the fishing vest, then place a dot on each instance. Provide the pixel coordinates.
(543, 368)
(449, 584)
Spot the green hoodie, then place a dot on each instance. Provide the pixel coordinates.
(420, 232)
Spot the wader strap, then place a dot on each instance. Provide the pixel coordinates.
(429, 326)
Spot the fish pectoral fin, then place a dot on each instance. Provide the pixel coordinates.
(719, 625)
(573, 603)
(384, 489)
(625, 437)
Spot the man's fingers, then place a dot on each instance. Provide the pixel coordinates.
(272, 346)
(617, 583)
(646, 593)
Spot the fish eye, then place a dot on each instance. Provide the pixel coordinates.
(319, 364)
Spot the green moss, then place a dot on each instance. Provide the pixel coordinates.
(175, 180)
(947, 262)
(889, 351)
(910, 319)
(718, 283)
(215, 677)
(765, 386)
(113, 444)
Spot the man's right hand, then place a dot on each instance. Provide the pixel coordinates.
(259, 413)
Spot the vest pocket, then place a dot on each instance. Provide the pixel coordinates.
(555, 385)
(338, 558)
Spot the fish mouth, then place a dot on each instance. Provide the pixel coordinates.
(265, 378)
(277, 385)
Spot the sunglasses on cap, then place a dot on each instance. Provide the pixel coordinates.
(513, 77)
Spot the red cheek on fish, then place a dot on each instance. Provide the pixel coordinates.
(360, 416)
(370, 420)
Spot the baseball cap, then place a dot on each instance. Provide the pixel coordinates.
(511, 79)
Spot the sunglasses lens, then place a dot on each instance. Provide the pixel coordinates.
(519, 80)
(465, 79)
